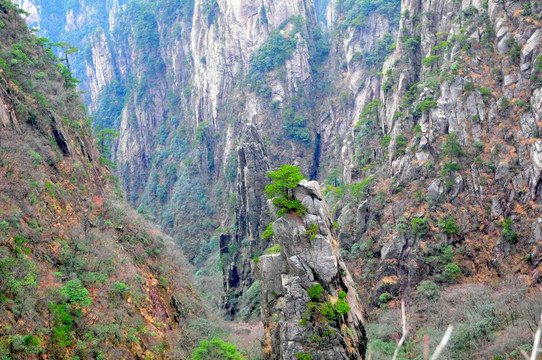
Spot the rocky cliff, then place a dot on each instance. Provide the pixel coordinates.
(309, 304)
(422, 117)
(448, 148)
(243, 243)
(81, 274)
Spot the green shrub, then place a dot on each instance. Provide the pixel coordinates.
(469, 86)
(216, 349)
(120, 288)
(505, 105)
(312, 231)
(400, 145)
(379, 347)
(479, 146)
(36, 158)
(448, 225)
(402, 225)
(341, 307)
(384, 298)
(289, 206)
(315, 291)
(4, 226)
(385, 141)
(452, 273)
(275, 249)
(429, 290)
(514, 49)
(268, 231)
(419, 226)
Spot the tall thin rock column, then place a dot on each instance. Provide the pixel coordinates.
(309, 305)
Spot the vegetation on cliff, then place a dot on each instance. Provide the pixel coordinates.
(82, 276)
(422, 117)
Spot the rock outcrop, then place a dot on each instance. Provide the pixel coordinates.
(61, 222)
(457, 115)
(309, 304)
(415, 71)
(242, 244)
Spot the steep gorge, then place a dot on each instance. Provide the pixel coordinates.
(81, 274)
(422, 117)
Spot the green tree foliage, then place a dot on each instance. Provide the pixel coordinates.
(419, 226)
(216, 349)
(273, 52)
(362, 189)
(451, 152)
(76, 294)
(357, 11)
(315, 291)
(295, 125)
(66, 312)
(104, 139)
(375, 59)
(369, 117)
(210, 10)
(452, 147)
(452, 273)
(508, 231)
(448, 225)
(111, 102)
(283, 180)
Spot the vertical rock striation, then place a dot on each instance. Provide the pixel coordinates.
(241, 245)
(309, 304)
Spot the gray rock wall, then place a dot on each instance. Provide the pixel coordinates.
(295, 323)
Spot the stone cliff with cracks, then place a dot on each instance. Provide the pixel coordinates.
(178, 81)
(385, 135)
(448, 150)
(240, 245)
(81, 274)
(309, 304)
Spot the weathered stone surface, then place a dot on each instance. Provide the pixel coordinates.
(435, 189)
(307, 259)
(251, 218)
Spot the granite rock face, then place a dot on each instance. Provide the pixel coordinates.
(239, 247)
(463, 72)
(297, 323)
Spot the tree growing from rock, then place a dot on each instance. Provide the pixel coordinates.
(284, 179)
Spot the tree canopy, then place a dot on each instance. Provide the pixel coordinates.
(216, 349)
(285, 178)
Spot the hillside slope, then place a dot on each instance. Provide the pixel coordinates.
(422, 118)
(81, 275)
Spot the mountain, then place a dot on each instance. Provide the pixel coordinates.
(82, 275)
(422, 119)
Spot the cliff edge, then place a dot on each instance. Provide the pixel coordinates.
(309, 304)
